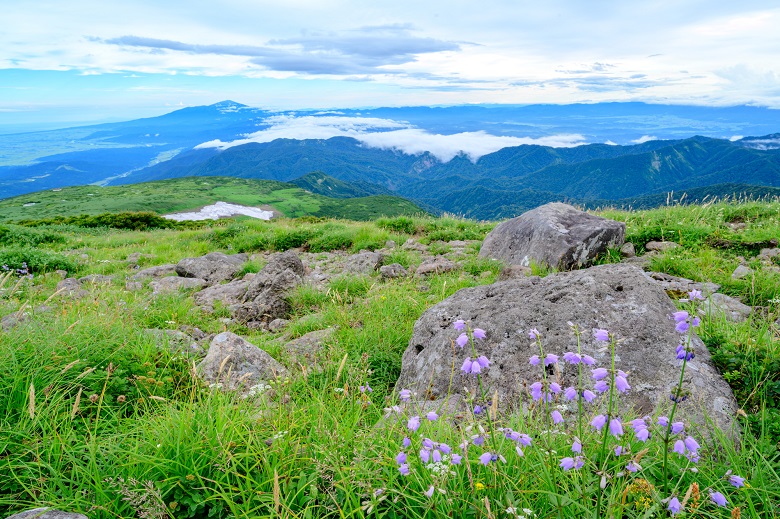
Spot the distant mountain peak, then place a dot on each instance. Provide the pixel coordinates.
(228, 106)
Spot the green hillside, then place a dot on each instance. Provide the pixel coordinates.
(183, 194)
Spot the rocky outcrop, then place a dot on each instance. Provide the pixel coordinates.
(171, 284)
(721, 305)
(156, 272)
(213, 268)
(392, 271)
(681, 286)
(555, 234)
(364, 262)
(619, 298)
(237, 364)
(436, 265)
(230, 295)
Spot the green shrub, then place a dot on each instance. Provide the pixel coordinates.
(15, 235)
(134, 221)
(35, 260)
(284, 239)
(335, 239)
(400, 224)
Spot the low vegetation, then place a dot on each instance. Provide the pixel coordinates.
(96, 417)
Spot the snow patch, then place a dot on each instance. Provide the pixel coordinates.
(221, 210)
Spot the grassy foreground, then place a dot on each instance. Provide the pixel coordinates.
(96, 417)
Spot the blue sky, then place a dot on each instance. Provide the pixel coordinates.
(90, 61)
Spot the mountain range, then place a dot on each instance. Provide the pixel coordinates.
(484, 185)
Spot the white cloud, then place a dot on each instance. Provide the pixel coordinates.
(734, 138)
(645, 138)
(389, 134)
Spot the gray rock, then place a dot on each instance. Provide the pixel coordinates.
(437, 265)
(728, 307)
(364, 262)
(230, 295)
(212, 268)
(265, 298)
(61, 273)
(392, 271)
(514, 272)
(390, 244)
(156, 272)
(412, 244)
(306, 347)
(741, 271)
(681, 286)
(627, 250)
(46, 513)
(174, 341)
(96, 279)
(619, 298)
(237, 364)
(71, 287)
(555, 234)
(660, 246)
(277, 325)
(767, 254)
(135, 257)
(133, 286)
(11, 321)
(174, 284)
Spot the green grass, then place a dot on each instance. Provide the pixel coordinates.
(96, 417)
(191, 193)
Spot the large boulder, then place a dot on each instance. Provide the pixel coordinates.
(619, 298)
(229, 295)
(555, 234)
(213, 267)
(237, 364)
(266, 296)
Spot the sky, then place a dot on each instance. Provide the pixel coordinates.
(85, 61)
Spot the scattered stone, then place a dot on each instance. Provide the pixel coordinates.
(212, 268)
(229, 295)
(741, 271)
(681, 286)
(627, 250)
(61, 273)
(364, 262)
(555, 234)
(133, 286)
(237, 364)
(767, 254)
(306, 347)
(175, 341)
(72, 288)
(266, 295)
(174, 284)
(390, 244)
(10, 321)
(514, 272)
(660, 246)
(135, 257)
(412, 244)
(277, 325)
(729, 307)
(96, 279)
(736, 226)
(158, 271)
(616, 297)
(437, 265)
(46, 513)
(392, 271)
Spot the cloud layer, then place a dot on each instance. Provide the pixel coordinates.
(389, 134)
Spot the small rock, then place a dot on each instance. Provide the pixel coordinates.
(438, 265)
(229, 294)
(736, 226)
(174, 284)
(175, 341)
(61, 273)
(514, 272)
(10, 321)
(729, 307)
(156, 272)
(96, 279)
(212, 268)
(46, 513)
(364, 262)
(741, 271)
(390, 244)
(72, 288)
(237, 364)
(681, 285)
(134, 286)
(392, 271)
(307, 346)
(660, 246)
(277, 325)
(412, 244)
(627, 250)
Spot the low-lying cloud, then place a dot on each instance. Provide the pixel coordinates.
(390, 134)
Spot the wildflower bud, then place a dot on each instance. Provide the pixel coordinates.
(93, 398)
(121, 398)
